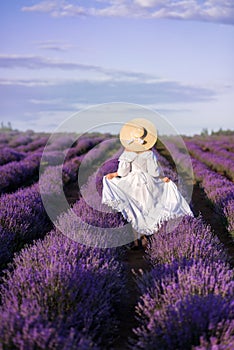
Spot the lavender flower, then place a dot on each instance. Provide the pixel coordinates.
(15, 174)
(190, 238)
(19, 139)
(182, 325)
(168, 283)
(58, 285)
(8, 155)
(37, 144)
(214, 161)
(22, 219)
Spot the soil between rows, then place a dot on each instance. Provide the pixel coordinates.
(202, 205)
(126, 314)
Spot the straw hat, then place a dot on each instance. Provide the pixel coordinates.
(138, 135)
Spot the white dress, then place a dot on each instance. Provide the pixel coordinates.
(142, 197)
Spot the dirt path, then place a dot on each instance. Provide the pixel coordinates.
(72, 192)
(202, 205)
(134, 260)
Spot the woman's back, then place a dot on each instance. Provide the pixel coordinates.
(142, 161)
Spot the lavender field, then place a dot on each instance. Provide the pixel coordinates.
(60, 293)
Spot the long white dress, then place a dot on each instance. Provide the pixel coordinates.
(141, 195)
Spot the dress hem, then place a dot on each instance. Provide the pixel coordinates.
(116, 205)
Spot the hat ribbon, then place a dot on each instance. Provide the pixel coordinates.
(136, 139)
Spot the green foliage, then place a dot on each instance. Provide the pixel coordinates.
(7, 127)
(204, 132)
(222, 132)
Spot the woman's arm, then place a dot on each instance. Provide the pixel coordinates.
(111, 175)
(124, 167)
(166, 179)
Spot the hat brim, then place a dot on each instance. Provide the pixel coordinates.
(149, 139)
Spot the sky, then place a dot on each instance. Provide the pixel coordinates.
(59, 57)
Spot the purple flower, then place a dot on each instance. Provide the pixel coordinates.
(8, 155)
(57, 287)
(182, 325)
(190, 239)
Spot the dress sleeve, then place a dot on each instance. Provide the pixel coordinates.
(152, 165)
(124, 168)
(125, 161)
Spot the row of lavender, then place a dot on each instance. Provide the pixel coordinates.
(222, 146)
(60, 294)
(186, 298)
(214, 160)
(23, 141)
(22, 168)
(23, 217)
(219, 190)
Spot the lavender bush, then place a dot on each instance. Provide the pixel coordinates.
(184, 302)
(53, 157)
(15, 174)
(22, 214)
(182, 325)
(91, 214)
(190, 238)
(4, 140)
(96, 155)
(36, 144)
(22, 219)
(6, 245)
(109, 166)
(167, 283)
(186, 298)
(219, 190)
(8, 155)
(222, 147)
(59, 142)
(83, 145)
(57, 287)
(19, 140)
(70, 169)
(214, 161)
(228, 212)
(223, 340)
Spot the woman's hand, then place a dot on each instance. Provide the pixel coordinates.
(166, 179)
(111, 175)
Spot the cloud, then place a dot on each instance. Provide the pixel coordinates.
(18, 99)
(54, 46)
(57, 8)
(27, 82)
(111, 84)
(42, 105)
(39, 62)
(150, 3)
(221, 11)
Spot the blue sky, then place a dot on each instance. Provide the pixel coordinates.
(175, 57)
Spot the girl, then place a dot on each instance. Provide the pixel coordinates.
(137, 189)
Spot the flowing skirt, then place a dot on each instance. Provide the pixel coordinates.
(144, 201)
